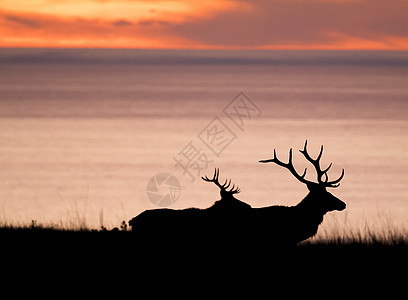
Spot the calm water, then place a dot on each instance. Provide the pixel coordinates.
(83, 131)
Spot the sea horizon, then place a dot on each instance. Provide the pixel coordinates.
(84, 130)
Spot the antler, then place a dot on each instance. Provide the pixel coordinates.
(315, 163)
(288, 166)
(227, 183)
(319, 171)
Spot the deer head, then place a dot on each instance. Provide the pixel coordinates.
(225, 194)
(319, 197)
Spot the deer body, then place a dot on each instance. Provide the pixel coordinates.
(222, 220)
(301, 222)
(288, 225)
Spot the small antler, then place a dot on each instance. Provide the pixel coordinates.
(315, 163)
(215, 178)
(225, 186)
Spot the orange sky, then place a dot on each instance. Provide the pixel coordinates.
(206, 24)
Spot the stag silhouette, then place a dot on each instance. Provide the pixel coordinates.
(218, 222)
(291, 225)
(228, 202)
(230, 220)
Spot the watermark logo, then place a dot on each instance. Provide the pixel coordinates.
(193, 160)
(163, 189)
(217, 136)
(241, 109)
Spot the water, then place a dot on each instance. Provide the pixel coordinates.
(83, 131)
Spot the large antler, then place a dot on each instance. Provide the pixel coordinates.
(288, 166)
(227, 183)
(319, 171)
(315, 163)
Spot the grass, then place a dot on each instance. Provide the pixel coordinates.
(336, 233)
(362, 237)
(339, 253)
(379, 232)
(365, 250)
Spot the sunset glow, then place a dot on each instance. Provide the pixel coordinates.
(210, 24)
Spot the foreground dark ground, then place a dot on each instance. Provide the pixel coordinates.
(78, 260)
(121, 244)
(120, 259)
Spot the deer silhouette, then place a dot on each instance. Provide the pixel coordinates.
(291, 225)
(218, 222)
(230, 220)
(228, 203)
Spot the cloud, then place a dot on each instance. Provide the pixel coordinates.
(23, 21)
(225, 24)
(171, 10)
(122, 23)
(299, 22)
(95, 23)
(34, 30)
(153, 22)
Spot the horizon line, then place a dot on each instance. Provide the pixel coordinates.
(208, 49)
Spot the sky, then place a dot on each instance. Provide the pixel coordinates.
(206, 24)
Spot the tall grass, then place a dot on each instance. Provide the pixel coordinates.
(38, 225)
(383, 230)
(335, 230)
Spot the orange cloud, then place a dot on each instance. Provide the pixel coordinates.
(34, 30)
(96, 23)
(171, 10)
(206, 24)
